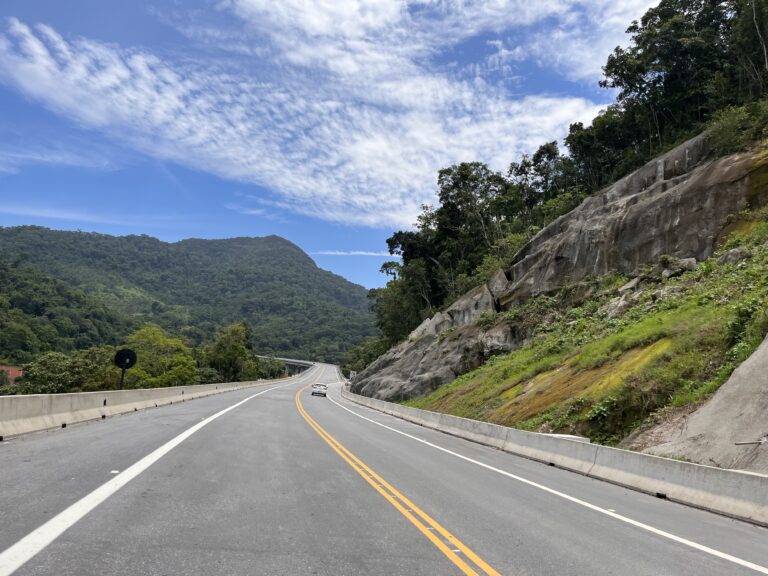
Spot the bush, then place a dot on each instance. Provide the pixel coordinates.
(736, 128)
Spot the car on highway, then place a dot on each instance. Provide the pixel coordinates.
(319, 390)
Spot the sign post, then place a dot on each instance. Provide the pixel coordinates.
(124, 359)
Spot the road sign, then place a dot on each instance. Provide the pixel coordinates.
(124, 359)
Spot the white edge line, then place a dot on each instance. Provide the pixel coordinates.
(33, 543)
(657, 531)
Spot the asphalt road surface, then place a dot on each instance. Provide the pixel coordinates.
(272, 481)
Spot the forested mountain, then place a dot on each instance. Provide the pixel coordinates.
(193, 287)
(39, 313)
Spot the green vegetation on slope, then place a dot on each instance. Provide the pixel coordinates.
(194, 287)
(39, 314)
(600, 367)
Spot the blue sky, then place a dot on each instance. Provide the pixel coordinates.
(322, 122)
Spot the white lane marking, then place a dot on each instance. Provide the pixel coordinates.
(657, 531)
(114, 471)
(33, 543)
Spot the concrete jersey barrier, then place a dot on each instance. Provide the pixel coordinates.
(35, 412)
(741, 495)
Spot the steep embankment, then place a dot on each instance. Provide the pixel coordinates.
(736, 413)
(677, 205)
(622, 358)
(192, 287)
(600, 367)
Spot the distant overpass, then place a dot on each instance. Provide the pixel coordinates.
(292, 366)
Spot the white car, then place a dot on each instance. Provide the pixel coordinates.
(320, 390)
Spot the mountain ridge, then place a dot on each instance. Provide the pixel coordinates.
(194, 286)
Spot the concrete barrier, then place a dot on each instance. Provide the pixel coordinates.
(733, 493)
(34, 412)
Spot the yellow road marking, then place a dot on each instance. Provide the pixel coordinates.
(425, 524)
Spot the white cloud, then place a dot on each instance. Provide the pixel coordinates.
(251, 211)
(15, 157)
(56, 214)
(348, 18)
(578, 45)
(337, 107)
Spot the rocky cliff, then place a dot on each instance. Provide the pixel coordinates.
(677, 205)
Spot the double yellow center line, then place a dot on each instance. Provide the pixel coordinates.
(447, 543)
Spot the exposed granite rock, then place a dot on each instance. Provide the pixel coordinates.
(432, 326)
(416, 368)
(617, 306)
(735, 256)
(637, 220)
(441, 348)
(688, 264)
(469, 308)
(498, 284)
(631, 285)
(675, 206)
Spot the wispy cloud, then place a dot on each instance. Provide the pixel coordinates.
(337, 107)
(65, 214)
(353, 253)
(14, 158)
(251, 211)
(578, 44)
(79, 216)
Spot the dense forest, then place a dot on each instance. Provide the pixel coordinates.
(690, 65)
(61, 291)
(39, 313)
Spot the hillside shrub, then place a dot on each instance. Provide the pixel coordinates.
(737, 127)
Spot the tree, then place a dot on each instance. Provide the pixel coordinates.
(747, 37)
(49, 373)
(94, 369)
(231, 356)
(163, 360)
(229, 353)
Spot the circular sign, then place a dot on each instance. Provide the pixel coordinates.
(125, 358)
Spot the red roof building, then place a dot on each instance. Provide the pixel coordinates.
(13, 372)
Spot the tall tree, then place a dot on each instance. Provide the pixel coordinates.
(163, 360)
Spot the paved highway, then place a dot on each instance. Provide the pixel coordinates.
(272, 481)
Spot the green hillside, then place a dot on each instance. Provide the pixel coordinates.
(193, 287)
(39, 313)
(600, 369)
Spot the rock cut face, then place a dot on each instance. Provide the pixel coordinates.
(672, 206)
(677, 205)
(735, 414)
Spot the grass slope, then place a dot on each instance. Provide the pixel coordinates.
(672, 343)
